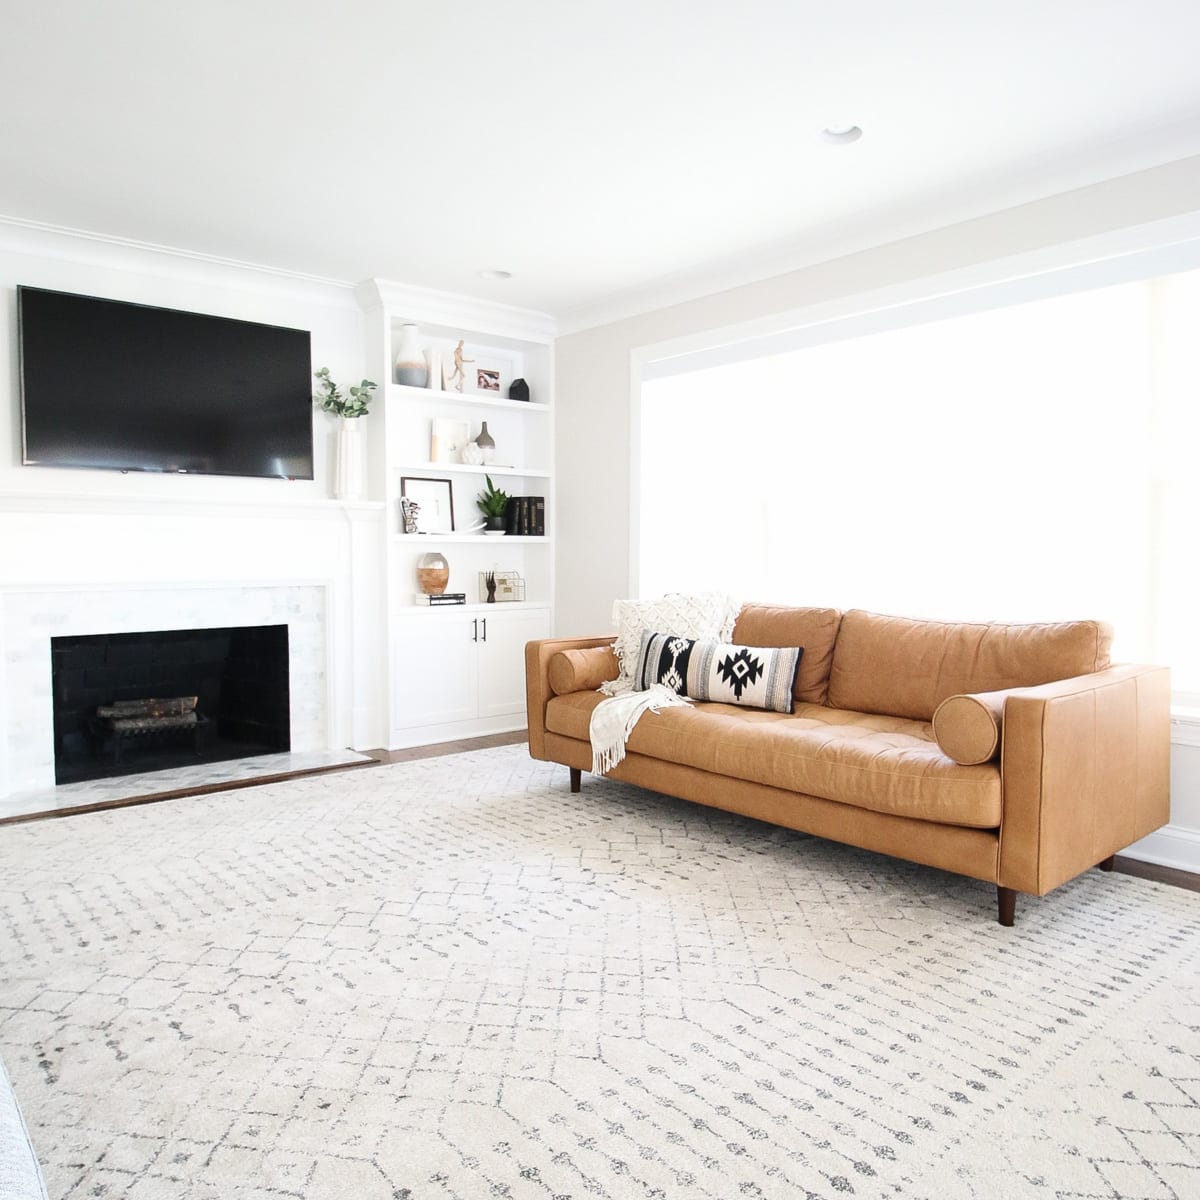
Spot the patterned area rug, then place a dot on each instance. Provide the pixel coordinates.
(452, 979)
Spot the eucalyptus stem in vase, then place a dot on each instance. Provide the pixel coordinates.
(348, 482)
(331, 399)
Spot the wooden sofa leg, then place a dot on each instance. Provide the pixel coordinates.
(1006, 902)
(1108, 863)
(576, 779)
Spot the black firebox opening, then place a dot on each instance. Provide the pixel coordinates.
(239, 676)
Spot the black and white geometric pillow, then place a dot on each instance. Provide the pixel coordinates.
(752, 676)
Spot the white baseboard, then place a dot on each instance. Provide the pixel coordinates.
(1171, 846)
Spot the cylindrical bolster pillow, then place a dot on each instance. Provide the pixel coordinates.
(582, 670)
(967, 728)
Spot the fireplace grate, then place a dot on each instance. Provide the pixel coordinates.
(151, 722)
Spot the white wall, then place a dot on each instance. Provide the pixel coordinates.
(594, 379)
(84, 527)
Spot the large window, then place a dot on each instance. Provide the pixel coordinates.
(1024, 463)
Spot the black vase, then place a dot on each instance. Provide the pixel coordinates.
(518, 390)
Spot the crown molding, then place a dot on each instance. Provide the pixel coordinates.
(1171, 174)
(456, 310)
(19, 235)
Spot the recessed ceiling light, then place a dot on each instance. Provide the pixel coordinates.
(841, 135)
(495, 274)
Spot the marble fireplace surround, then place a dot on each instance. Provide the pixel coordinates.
(30, 616)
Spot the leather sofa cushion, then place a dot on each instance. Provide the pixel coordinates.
(968, 727)
(884, 764)
(815, 629)
(906, 668)
(582, 670)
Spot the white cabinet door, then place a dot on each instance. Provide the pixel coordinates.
(434, 675)
(502, 659)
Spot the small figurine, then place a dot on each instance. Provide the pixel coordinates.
(490, 581)
(409, 510)
(454, 381)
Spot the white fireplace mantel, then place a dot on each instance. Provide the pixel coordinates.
(31, 615)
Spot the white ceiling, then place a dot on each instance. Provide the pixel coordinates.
(598, 151)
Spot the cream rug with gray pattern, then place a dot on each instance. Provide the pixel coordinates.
(451, 979)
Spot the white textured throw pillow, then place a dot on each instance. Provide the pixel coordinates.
(700, 615)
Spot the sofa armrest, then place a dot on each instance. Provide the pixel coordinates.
(537, 682)
(1085, 765)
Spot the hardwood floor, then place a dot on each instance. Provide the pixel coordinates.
(1171, 875)
(442, 748)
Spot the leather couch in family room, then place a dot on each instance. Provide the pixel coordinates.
(1014, 754)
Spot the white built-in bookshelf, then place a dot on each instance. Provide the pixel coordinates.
(458, 671)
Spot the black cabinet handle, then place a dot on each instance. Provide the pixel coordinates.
(485, 629)
(475, 632)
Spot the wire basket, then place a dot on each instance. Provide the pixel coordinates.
(506, 587)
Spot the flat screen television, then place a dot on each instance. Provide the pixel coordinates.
(127, 387)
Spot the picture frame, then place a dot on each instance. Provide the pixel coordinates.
(436, 500)
(489, 375)
(447, 437)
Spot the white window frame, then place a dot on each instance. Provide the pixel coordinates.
(1127, 255)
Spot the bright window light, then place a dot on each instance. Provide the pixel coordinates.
(1021, 464)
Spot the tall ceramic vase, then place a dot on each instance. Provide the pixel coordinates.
(349, 482)
(411, 367)
(487, 444)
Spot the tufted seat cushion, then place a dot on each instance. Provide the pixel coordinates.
(886, 764)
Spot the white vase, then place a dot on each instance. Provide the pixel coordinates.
(411, 367)
(349, 481)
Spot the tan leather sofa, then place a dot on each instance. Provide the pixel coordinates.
(1014, 754)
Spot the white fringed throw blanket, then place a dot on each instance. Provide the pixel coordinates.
(613, 721)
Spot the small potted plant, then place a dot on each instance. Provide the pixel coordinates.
(492, 502)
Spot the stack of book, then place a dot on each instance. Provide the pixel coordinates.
(443, 599)
(525, 516)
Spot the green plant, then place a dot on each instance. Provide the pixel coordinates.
(492, 501)
(332, 400)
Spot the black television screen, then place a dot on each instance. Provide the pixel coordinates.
(133, 388)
